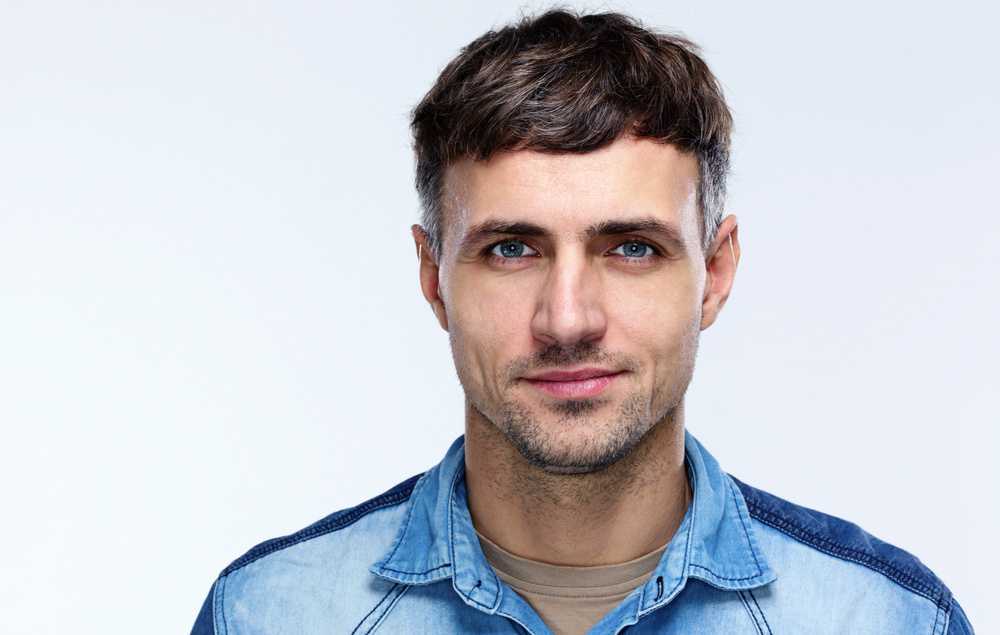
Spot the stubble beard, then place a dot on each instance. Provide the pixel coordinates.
(596, 441)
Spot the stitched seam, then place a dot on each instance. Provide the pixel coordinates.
(477, 602)
(451, 512)
(400, 494)
(759, 610)
(720, 577)
(388, 609)
(937, 618)
(743, 522)
(662, 597)
(374, 608)
(753, 617)
(689, 542)
(451, 534)
(406, 523)
(847, 553)
(222, 604)
(416, 573)
(515, 621)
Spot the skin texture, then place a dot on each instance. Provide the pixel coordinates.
(574, 288)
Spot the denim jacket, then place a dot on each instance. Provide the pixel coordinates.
(742, 561)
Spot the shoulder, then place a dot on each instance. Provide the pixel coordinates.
(813, 552)
(332, 527)
(278, 580)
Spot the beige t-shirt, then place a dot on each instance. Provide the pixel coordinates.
(570, 600)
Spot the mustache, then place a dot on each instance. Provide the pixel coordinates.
(557, 354)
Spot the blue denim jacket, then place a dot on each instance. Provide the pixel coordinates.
(742, 561)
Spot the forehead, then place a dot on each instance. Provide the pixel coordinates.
(629, 178)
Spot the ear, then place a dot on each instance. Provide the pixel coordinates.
(429, 278)
(720, 270)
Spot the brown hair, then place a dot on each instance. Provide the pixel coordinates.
(562, 82)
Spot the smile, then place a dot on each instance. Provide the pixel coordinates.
(578, 384)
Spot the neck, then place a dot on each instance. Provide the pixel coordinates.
(611, 516)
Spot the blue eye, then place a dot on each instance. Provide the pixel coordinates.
(632, 249)
(512, 249)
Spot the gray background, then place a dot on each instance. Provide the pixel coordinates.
(211, 331)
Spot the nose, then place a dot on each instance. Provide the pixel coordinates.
(569, 307)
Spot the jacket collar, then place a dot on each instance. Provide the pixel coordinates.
(715, 542)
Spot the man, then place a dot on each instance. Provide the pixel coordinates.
(572, 174)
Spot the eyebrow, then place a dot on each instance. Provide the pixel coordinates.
(665, 232)
(495, 228)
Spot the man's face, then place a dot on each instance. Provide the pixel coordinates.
(572, 286)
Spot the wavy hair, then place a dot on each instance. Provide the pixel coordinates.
(561, 82)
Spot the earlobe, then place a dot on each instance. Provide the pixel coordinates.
(429, 275)
(720, 270)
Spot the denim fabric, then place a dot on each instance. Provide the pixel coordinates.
(742, 561)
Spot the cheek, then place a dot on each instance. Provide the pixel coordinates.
(656, 318)
(487, 323)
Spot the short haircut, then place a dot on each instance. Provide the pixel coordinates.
(561, 82)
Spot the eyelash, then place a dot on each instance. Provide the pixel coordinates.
(655, 251)
(489, 251)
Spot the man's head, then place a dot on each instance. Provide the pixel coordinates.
(562, 165)
(561, 83)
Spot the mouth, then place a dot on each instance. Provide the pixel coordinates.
(574, 384)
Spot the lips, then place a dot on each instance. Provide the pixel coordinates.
(574, 384)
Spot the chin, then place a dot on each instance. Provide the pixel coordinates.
(576, 438)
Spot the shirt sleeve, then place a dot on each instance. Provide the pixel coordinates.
(958, 624)
(205, 624)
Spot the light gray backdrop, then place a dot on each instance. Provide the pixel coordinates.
(211, 331)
